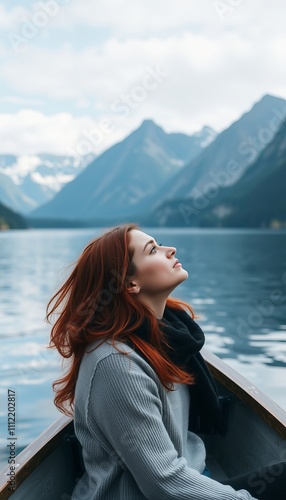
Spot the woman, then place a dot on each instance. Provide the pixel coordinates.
(136, 381)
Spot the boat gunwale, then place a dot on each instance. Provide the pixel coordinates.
(36, 452)
(251, 395)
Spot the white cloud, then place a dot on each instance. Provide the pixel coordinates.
(12, 17)
(29, 132)
(141, 18)
(22, 101)
(125, 17)
(144, 19)
(23, 166)
(216, 69)
(211, 79)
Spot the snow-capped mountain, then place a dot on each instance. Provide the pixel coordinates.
(27, 182)
(120, 179)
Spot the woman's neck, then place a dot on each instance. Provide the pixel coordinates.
(156, 304)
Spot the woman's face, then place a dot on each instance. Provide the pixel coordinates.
(157, 267)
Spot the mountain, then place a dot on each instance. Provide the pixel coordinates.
(258, 199)
(186, 200)
(11, 194)
(10, 219)
(117, 181)
(27, 182)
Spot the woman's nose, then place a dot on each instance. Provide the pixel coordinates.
(171, 251)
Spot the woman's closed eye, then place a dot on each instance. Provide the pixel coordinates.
(154, 248)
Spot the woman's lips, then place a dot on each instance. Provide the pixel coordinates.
(177, 264)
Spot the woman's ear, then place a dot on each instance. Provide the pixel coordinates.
(133, 287)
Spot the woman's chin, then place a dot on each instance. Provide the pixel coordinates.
(183, 275)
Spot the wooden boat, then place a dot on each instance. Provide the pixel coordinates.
(256, 437)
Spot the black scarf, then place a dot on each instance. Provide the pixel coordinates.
(186, 339)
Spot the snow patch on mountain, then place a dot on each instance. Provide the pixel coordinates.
(39, 177)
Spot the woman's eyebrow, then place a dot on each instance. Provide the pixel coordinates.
(148, 243)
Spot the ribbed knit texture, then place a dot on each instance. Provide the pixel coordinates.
(185, 339)
(134, 434)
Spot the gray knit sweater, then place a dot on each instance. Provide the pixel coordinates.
(134, 434)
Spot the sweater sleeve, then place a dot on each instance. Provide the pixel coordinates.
(125, 403)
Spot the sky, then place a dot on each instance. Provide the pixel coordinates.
(76, 76)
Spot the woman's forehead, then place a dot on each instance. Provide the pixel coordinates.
(139, 238)
(140, 235)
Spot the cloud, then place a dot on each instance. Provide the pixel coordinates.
(215, 68)
(11, 17)
(22, 101)
(144, 19)
(124, 17)
(210, 79)
(29, 132)
(141, 18)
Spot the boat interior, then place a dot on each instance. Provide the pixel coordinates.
(255, 438)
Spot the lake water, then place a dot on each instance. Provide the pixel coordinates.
(236, 284)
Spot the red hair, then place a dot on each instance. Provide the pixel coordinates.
(94, 304)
